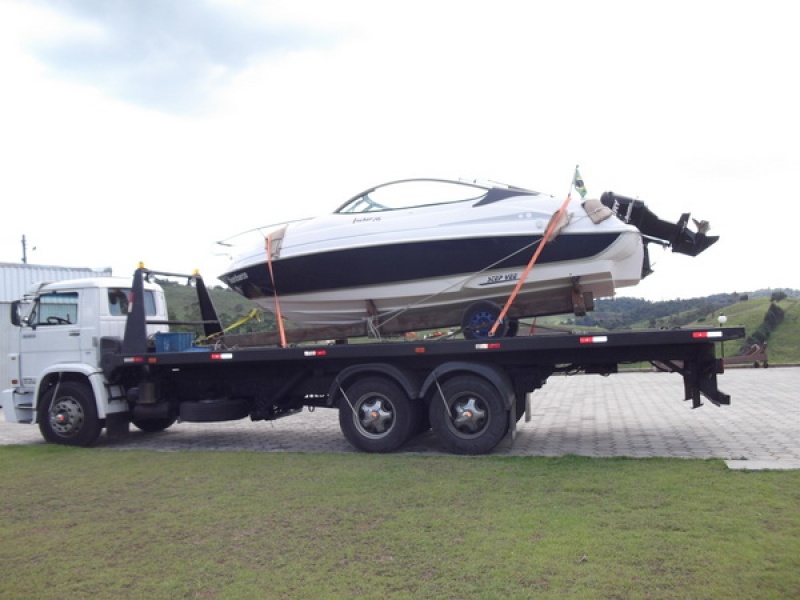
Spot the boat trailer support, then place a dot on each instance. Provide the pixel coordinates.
(582, 302)
(700, 378)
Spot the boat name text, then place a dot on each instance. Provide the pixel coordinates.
(504, 278)
(237, 278)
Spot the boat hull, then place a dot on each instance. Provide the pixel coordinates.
(423, 284)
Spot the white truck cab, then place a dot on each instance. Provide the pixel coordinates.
(60, 326)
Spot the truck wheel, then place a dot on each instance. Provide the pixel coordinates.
(468, 415)
(154, 425)
(479, 318)
(69, 415)
(376, 415)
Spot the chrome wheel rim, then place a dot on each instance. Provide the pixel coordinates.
(66, 417)
(374, 416)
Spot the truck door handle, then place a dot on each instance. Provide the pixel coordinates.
(74, 333)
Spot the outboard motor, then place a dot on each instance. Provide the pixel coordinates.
(677, 235)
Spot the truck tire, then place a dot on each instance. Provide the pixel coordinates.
(213, 410)
(376, 415)
(468, 416)
(154, 425)
(68, 415)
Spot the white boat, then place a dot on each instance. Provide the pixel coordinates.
(431, 253)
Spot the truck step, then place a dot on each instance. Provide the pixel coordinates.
(21, 414)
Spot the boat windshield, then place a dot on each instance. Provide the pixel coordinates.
(413, 193)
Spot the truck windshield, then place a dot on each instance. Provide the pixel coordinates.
(55, 309)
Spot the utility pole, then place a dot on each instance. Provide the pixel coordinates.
(24, 251)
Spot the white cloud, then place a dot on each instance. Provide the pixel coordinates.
(164, 54)
(185, 132)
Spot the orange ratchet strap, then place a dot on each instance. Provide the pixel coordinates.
(554, 221)
(275, 292)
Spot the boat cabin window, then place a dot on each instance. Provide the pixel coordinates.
(410, 194)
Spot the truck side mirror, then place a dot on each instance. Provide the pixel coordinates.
(16, 317)
(19, 313)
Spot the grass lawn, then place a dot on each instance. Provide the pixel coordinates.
(95, 523)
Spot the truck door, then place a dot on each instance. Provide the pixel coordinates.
(52, 334)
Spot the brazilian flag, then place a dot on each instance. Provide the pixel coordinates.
(577, 181)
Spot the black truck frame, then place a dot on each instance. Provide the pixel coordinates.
(471, 393)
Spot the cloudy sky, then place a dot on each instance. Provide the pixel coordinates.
(147, 130)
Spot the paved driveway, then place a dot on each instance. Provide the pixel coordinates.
(631, 414)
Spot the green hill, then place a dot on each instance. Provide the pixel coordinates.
(784, 341)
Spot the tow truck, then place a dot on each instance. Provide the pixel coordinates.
(99, 354)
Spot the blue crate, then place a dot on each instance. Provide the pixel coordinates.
(174, 342)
